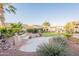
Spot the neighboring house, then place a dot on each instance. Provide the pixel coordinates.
(45, 28)
(59, 29)
(52, 29)
(76, 28)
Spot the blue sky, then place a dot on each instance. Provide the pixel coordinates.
(56, 14)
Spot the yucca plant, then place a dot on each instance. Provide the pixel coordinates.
(59, 40)
(57, 48)
(51, 50)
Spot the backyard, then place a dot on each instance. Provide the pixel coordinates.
(30, 36)
(30, 47)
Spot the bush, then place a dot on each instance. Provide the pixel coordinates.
(6, 32)
(32, 30)
(11, 30)
(51, 50)
(57, 48)
(67, 35)
(59, 40)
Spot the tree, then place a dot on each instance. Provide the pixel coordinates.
(69, 27)
(9, 8)
(46, 25)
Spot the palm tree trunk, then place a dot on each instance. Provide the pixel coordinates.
(2, 19)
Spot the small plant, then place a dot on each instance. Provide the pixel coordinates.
(59, 40)
(51, 50)
(67, 35)
(11, 30)
(32, 30)
(57, 48)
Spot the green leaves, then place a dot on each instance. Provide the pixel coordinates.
(70, 26)
(33, 30)
(11, 30)
(46, 23)
(17, 27)
(10, 8)
(57, 48)
(50, 50)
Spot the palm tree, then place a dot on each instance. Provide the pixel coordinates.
(9, 8)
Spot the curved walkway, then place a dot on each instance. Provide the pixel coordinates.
(32, 44)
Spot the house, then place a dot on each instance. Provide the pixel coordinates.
(59, 29)
(52, 29)
(76, 28)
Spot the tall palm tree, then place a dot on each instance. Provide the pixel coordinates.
(9, 8)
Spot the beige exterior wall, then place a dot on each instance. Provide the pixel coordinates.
(56, 29)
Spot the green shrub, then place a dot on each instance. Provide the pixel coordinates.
(32, 30)
(59, 40)
(57, 48)
(67, 35)
(51, 50)
(29, 30)
(77, 32)
(11, 30)
(7, 32)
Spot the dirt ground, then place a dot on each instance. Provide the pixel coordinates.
(16, 53)
(74, 50)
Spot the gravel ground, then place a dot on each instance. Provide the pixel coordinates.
(12, 52)
(74, 48)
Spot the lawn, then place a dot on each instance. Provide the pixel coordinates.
(48, 34)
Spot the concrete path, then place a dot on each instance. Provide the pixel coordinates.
(32, 44)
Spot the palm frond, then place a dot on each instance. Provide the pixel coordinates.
(10, 8)
(7, 10)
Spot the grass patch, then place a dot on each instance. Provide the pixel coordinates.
(67, 35)
(48, 34)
